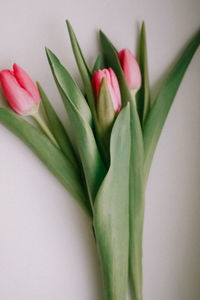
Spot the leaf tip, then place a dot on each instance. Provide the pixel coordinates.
(38, 85)
(39, 88)
(47, 50)
(143, 28)
(68, 23)
(102, 35)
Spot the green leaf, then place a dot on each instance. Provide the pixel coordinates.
(58, 129)
(143, 95)
(99, 64)
(158, 114)
(48, 153)
(86, 78)
(69, 87)
(83, 68)
(94, 169)
(111, 212)
(136, 187)
(111, 60)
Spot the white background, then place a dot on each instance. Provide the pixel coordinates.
(47, 250)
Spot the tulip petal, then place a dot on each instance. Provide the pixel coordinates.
(112, 83)
(96, 81)
(18, 98)
(131, 69)
(26, 82)
(115, 92)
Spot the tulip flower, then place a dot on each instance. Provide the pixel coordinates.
(112, 83)
(131, 69)
(21, 92)
(108, 105)
(23, 96)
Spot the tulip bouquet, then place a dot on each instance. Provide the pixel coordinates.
(105, 160)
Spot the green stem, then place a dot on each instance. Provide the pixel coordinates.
(44, 128)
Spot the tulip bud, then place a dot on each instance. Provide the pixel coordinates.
(105, 110)
(108, 104)
(112, 83)
(21, 92)
(131, 69)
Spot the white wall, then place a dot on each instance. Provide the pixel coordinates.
(47, 250)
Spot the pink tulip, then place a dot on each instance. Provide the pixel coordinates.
(21, 92)
(131, 69)
(112, 83)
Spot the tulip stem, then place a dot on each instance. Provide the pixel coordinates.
(44, 128)
(133, 94)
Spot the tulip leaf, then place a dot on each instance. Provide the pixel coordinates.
(136, 186)
(93, 167)
(58, 129)
(69, 87)
(143, 95)
(158, 114)
(99, 64)
(111, 60)
(111, 212)
(48, 153)
(83, 68)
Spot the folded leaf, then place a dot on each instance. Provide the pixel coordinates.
(94, 169)
(111, 212)
(136, 187)
(58, 129)
(143, 95)
(158, 114)
(48, 153)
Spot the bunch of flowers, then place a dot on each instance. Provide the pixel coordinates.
(105, 160)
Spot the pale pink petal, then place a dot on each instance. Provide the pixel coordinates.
(112, 83)
(131, 69)
(26, 82)
(19, 100)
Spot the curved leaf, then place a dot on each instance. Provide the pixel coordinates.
(94, 169)
(111, 212)
(158, 114)
(48, 153)
(68, 86)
